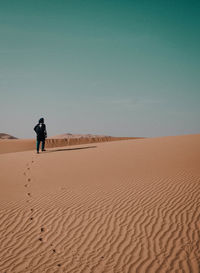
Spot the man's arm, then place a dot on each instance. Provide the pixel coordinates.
(35, 128)
(45, 131)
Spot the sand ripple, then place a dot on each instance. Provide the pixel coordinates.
(142, 223)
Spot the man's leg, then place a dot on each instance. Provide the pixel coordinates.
(43, 145)
(38, 145)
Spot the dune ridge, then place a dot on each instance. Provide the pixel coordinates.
(19, 145)
(6, 136)
(123, 206)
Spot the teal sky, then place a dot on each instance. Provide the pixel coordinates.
(122, 68)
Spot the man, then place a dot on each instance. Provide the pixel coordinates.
(41, 132)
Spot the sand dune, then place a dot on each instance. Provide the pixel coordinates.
(6, 136)
(124, 206)
(69, 135)
(19, 145)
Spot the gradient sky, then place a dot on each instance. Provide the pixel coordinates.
(114, 67)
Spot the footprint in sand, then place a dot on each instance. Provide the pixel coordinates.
(26, 185)
(29, 194)
(29, 179)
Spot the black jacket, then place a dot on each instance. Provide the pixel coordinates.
(40, 130)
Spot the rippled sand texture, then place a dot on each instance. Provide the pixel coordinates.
(124, 206)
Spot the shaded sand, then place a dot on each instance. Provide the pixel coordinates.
(19, 145)
(68, 135)
(123, 206)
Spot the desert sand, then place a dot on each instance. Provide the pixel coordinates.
(123, 206)
(9, 145)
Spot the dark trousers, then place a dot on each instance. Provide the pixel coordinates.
(38, 144)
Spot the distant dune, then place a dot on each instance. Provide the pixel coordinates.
(130, 206)
(69, 135)
(6, 136)
(19, 145)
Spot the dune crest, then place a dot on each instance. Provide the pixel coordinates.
(19, 145)
(76, 136)
(6, 136)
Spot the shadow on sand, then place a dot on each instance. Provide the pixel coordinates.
(68, 149)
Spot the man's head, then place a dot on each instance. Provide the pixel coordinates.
(41, 120)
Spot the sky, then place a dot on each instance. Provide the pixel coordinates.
(113, 67)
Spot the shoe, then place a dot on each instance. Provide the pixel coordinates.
(43, 150)
(37, 152)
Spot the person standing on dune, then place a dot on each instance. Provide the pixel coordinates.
(41, 133)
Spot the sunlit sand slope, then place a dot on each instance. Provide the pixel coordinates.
(124, 206)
